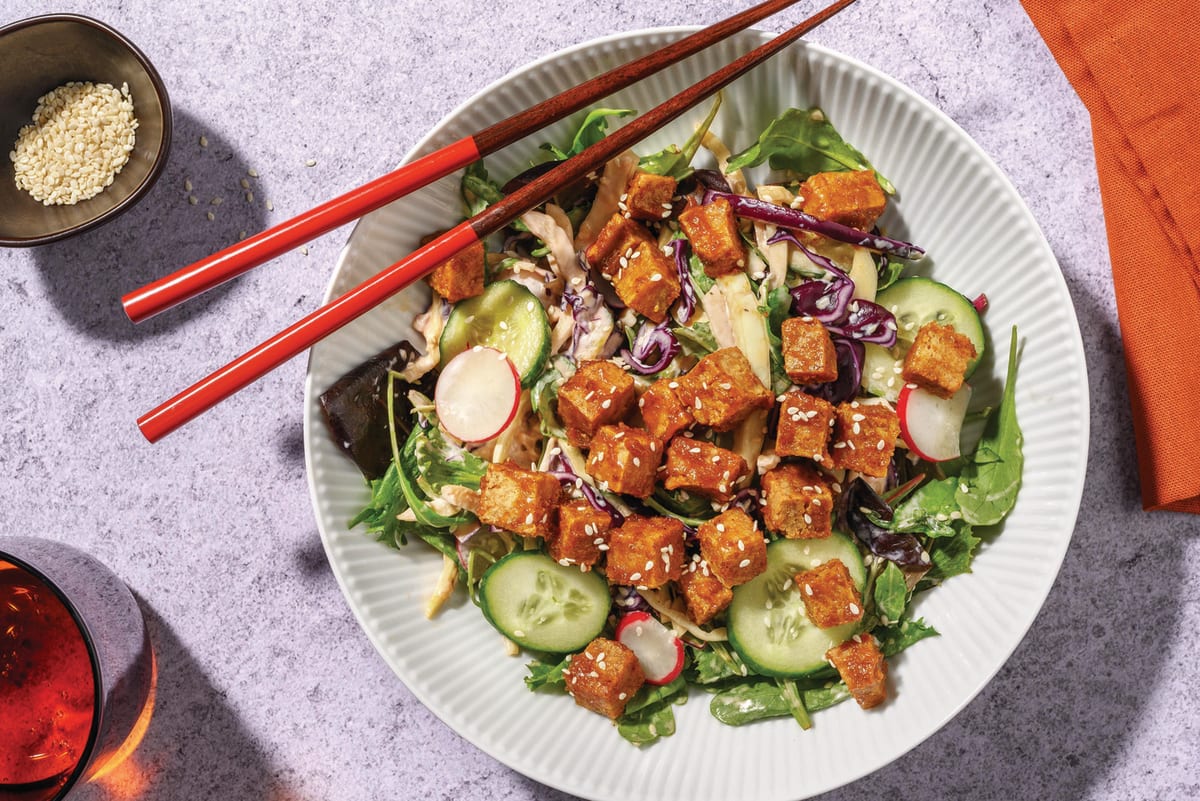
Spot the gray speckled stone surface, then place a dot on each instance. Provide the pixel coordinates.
(268, 689)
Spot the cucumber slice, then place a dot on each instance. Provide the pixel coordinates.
(881, 369)
(919, 300)
(542, 605)
(768, 626)
(506, 317)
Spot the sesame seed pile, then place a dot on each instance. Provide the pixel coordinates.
(81, 137)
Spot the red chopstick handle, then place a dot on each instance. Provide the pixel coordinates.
(243, 371)
(249, 253)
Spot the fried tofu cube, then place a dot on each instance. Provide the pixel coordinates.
(861, 665)
(830, 597)
(715, 238)
(663, 414)
(805, 425)
(703, 593)
(518, 500)
(624, 460)
(644, 277)
(579, 532)
(603, 677)
(645, 551)
(649, 197)
(808, 353)
(702, 468)
(937, 360)
(864, 437)
(851, 198)
(461, 277)
(722, 390)
(599, 394)
(799, 502)
(733, 547)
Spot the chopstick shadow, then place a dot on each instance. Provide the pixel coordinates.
(1070, 698)
(195, 746)
(88, 274)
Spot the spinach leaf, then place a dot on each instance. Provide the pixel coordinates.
(675, 161)
(930, 510)
(988, 486)
(715, 663)
(478, 190)
(544, 395)
(648, 715)
(696, 339)
(759, 700)
(952, 556)
(700, 278)
(591, 130)
(795, 702)
(894, 639)
(891, 592)
(889, 271)
(777, 308)
(542, 674)
(803, 141)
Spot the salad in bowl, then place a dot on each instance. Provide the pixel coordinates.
(677, 430)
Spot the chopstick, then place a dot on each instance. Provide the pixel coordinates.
(303, 334)
(234, 260)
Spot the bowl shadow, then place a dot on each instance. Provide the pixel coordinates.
(1069, 699)
(86, 275)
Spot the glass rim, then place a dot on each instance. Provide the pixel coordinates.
(85, 757)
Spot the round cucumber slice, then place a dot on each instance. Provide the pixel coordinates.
(767, 624)
(506, 317)
(542, 605)
(919, 300)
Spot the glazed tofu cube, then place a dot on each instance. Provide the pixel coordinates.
(805, 425)
(861, 665)
(937, 360)
(599, 394)
(580, 535)
(851, 198)
(830, 597)
(624, 460)
(733, 547)
(649, 197)
(644, 277)
(663, 414)
(461, 277)
(716, 241)
(645, 551)
(799, 502)
(702, 468)
(808, 353)
(705, 595)
(722, 390)
(603, 677)
(864, 437)
(518, 500)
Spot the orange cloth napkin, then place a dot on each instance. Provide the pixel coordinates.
(1136, 66)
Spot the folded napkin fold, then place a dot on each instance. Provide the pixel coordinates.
(1136, 67)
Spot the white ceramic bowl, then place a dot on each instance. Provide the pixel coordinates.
(980, 237)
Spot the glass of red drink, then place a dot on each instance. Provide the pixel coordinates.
(76, 669)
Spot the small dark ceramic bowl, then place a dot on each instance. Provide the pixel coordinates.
(42, 53)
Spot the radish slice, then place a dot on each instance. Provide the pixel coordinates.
(932, 426)
(658, 651)
(477, 394)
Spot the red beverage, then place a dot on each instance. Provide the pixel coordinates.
(47, 686)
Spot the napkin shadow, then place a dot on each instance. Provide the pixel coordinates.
(1065, 705)
(86, 275)
(196, 745)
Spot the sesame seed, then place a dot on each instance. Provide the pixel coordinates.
(744, 563)
(808, 590)
(854, 610)
(635, 576)
(529, 518)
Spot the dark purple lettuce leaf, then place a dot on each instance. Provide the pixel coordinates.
(858, 503)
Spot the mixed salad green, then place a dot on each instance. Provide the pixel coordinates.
(549, 313)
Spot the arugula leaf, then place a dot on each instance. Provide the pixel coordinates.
(386, 504)
(675, 161)
(648, 715)
(591, 130)
(894, 639)
(989, 483)
(478, 190)
(777, 308)
(543, 674)
(544, 395)
(803, 141)
(891, 592)
(952, 556)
